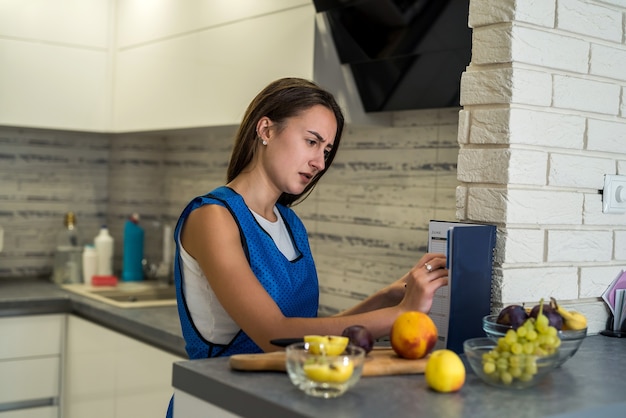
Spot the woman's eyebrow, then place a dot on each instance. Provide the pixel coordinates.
(318, 136)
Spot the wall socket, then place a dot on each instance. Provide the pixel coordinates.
(614, 194)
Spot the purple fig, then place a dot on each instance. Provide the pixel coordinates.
(554, 318)
(359, 336)
(513, 315)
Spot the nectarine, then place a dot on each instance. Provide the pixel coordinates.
(413, 335)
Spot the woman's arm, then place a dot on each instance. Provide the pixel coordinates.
(392, 295)
(211, 236)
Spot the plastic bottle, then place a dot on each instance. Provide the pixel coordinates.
(132, 269)
(90, 263)
(104, 248)
(68, 253)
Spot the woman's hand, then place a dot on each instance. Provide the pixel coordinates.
(422, 281)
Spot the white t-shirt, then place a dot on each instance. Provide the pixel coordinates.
(207, 313)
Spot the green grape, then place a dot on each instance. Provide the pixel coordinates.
(550, 340)
(502, 344)
(506, 378)
(516, 372)
(489, 367)
(526, 377)
(517, 348)
(514, 357)
(511, 337)
(529, 361)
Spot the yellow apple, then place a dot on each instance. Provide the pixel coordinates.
(337, 371)
(329, 345)
(445, 371)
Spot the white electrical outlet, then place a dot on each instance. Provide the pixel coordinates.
(614, 194)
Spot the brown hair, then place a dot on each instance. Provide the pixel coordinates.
(280, 100)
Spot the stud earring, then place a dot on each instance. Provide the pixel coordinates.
(264, 142)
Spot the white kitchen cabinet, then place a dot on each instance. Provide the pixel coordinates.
(188, 406)
(203, 65)
(110, 375)
(110, 66)
(41, 412)
(30, 365)
(56, 64)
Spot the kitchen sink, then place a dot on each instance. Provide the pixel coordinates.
(129, 294)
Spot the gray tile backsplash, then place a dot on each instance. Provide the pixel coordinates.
(367, 219)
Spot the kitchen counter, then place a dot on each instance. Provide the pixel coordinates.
(157, 326)
(589, 384)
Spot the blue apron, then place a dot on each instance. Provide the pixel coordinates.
(292, 284)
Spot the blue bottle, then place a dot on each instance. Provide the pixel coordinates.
(132, 269)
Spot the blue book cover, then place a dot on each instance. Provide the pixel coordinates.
(461, 306)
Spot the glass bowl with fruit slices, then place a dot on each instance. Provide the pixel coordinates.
(571, 326)
(504, 369)
(324, 370)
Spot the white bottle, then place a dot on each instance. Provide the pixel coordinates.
(90, 263)
(104, 248)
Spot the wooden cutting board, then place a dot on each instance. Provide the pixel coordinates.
(379, 362)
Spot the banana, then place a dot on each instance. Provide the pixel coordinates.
(572, 320)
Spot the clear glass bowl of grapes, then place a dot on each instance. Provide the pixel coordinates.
(571, 334)
(501, 368)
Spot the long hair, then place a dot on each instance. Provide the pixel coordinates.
(280, 100)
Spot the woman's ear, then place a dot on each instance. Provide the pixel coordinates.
(263, 129)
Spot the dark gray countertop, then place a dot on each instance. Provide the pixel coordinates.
(157, 326)
(592, 383)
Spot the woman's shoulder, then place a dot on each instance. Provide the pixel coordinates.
(219, 196)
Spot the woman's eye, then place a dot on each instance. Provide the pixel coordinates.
(326, 154)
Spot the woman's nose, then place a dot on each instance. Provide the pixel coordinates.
(319, 162)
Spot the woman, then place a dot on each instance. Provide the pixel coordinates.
(244, 270)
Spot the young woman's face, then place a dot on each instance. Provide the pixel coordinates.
(297, 153)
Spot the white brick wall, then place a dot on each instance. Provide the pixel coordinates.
(506, 85)
(529, 45)
(590, 18)
(578, 93)
(579, 246)
(565, 170)
(520, 285)
(607, 61)
(544, 115)
(524, 246)
(538, 12)
(606, 136)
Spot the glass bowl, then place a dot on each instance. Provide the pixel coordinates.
(321, 375)
(475, 350)
(570, 339)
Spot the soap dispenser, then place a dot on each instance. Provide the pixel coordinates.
(132, 269)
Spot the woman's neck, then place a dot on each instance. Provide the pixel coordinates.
(257, 195)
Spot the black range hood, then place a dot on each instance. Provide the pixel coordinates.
(403, 54)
